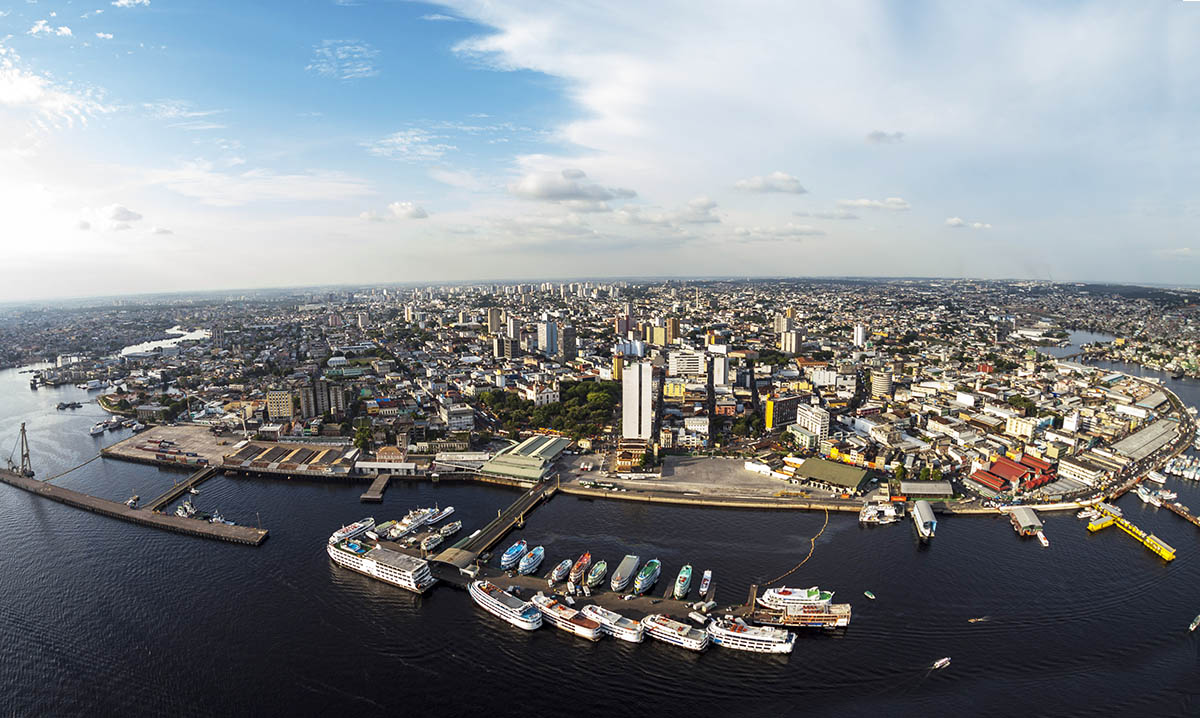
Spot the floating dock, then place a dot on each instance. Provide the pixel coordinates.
(465, 553)
(1150, 541)
(113, 509)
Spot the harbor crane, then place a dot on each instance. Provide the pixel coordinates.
(25, 468)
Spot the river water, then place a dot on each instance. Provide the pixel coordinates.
(106, 618)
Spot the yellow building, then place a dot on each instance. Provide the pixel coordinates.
(617, 366)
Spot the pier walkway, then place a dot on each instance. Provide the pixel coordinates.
(113, 509)
(375, 493)
(506, 520)
(1150, 541)
(181, 488)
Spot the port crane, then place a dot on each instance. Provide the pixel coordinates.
(25, 468)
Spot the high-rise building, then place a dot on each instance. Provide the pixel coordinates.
(881, 384)
(814, 420)
(505, 347)
(720, 370)
(308, 402)
(781, 323)
(860, 335)
(279, 405)
(568, 347)
(789, 341)
(618, 364)
(684, 362)
(512, 327)
(672, 329)
(494, 320)
(637, 401)
(547, 337)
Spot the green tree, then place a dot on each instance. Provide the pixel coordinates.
(924, 473)
(901, 473)
(362, 437)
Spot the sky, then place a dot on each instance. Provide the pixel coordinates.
(158, 145)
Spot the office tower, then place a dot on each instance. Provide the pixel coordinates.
(637, 401)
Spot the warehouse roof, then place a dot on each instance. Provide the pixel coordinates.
(832, 473)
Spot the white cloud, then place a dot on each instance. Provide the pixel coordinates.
(787, 231)
(343, 60)
(120, 213)
(412, 145)
(569, 184)
(896, 204)
(461, 179)
(41, 27)
(161, 230)
(774, 182)
(182, 115)
(827, 214)
(879, 137)
(84, 225)
(104, 35)
(218, 189)
(129, 3)
(439, 17)
(700, 210)
(960, 222)
(407, 210)
(42, 102)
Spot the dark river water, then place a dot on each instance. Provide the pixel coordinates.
(100, 617)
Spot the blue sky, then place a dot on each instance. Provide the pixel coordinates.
(218, 145)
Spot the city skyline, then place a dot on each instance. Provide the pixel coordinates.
(163, 146)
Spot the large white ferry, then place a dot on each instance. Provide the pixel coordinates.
(667, 629)
(614, 624)
(759, 639)
(625, 572)
(780, 599)
(412, 521)
(567, 618)
(506, 606)
(384, 564)
(354, 529)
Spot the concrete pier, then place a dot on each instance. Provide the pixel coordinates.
(113, 509)
(374, 494)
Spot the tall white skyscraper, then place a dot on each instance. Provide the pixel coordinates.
(860, 335)
(637, 401)
(720, 369)
(548, 337)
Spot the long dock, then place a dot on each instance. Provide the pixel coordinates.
(112, 509)
(375, 493)
(181, 488)
(505, 521)
(1150, 541)
(1182, 511)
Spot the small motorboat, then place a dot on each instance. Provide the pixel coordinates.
(1041, 537)
(1195, 623)
(940, 663)
(869, 595)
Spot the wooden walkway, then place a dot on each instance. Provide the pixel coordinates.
(512, 517)
(1182, 511)
(113, 509)
(181, 488)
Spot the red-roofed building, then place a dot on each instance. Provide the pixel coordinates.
(990, 480)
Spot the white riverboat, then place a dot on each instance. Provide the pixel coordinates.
(568, 619)
(382, 563)
(668, 630)
(505, 606)
(355, 529)
(614, 624)
(759, 639)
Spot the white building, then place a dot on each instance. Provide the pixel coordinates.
(637, 401)
(860, 335)
(720, 370)
(814, 420)
(681, 363)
